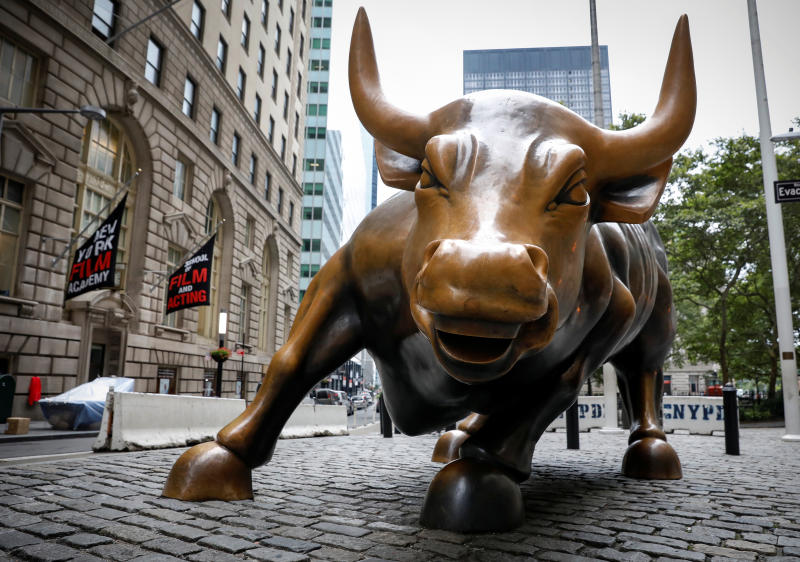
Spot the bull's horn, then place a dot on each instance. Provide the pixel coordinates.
(397, 129)
(659, 137)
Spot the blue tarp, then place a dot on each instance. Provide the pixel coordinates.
(82, 406)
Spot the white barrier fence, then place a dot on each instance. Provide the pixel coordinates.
(133, 420)
(695, 414)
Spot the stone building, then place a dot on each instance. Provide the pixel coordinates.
(205, 100)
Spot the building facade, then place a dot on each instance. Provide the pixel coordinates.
(204, 106)
(562, 74)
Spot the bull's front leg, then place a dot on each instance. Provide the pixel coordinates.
(326, 332)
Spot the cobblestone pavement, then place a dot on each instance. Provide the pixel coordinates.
(359, 498)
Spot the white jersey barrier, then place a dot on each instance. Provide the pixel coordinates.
(133, 420)
(591, 414)
(695, 414)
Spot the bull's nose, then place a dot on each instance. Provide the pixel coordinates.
(498, 281)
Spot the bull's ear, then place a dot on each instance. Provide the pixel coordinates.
(397, 170)
(633, 199)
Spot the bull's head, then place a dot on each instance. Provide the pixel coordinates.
(507, 185)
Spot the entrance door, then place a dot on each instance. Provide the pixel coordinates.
(97, 359)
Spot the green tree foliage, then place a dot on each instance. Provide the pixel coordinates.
(628, 121)
(713, 222)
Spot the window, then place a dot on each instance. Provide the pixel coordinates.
(225, 6)
(107, 163)
(188, 97)
(317, 109)
(244, 308)
(280, 200)
(316, 64)
(283, 148)
(318, 87)
(104, 18)
(291, 22)
(312, 188)
(11, 198)
(315, 132)
(304, 9)
(264, 12)
(222, 54)
(294, 164)
(299, 84)
(288, 62)
(241, 81)
(180, 184)
(267, 184)
(285, 105)
(257, 109)
(152, 68)
(271, 129)
(249, 232)
(174, 255)
(235, 149)
(245, 32)
(17, 74)
(312, 213)
(216, 118)
(280, 4)
(291, 213)
(260, 61)
(321, 43)
(314, 164)
(253, 168)
(198, 19)
(274, 93)
(320, 22)
(278, 39)
(208, 316)
(311, 244)
(296, 124)
(302, 45)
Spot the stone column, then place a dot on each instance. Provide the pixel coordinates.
(610, 406)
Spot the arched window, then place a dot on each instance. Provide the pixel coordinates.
(107, 164)
(207, 321)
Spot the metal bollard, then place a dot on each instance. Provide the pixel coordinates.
(730, 407)
(386, 421)
(573, 438)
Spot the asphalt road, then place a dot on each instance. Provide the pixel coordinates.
(46, 447)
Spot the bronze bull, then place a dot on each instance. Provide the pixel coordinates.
(516, 262)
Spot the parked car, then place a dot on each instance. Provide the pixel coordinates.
(359, 402)
(368, 397)
(327, 396)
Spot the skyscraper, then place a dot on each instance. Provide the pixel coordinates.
(562, 74)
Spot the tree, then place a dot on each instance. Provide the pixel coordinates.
(712, 220)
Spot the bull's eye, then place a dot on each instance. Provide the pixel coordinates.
(426, 178)
(573, 193)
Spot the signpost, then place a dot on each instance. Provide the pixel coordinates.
(787, 191)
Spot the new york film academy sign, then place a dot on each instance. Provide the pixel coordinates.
(96, 260)
(190, 285)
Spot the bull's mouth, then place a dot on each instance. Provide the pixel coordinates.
(472, 341)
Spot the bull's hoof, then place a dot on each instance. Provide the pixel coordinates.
(447, 446)
(209, 471)
(652, 459)
(471, 496)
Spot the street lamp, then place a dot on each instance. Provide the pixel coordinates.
(222, 329)
(89, 111)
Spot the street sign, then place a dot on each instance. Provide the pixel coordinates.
(787, 191)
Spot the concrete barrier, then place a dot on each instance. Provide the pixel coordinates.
(591, 414)
(314, 420)
(134, 420)
(695, 414)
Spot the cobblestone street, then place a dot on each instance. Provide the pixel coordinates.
(359, 498)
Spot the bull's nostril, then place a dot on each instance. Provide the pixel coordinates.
(539, 259)
(430, 249)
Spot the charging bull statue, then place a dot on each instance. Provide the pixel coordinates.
(517, 260)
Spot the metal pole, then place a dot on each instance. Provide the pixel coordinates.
(730, 409)
(596, 85)
(780, 274)
(386, 421)
(573, 437)
(138, 23)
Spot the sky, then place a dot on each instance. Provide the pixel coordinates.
(419, 46)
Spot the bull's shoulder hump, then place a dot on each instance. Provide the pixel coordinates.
(380, 239)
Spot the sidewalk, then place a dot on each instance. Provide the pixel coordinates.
(358, 497)
(43, 430)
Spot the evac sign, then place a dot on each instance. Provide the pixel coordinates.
(787, 191)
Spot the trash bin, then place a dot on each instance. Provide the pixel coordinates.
(7, 387)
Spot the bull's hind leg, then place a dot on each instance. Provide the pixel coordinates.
(641, 384)
(325, 334)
